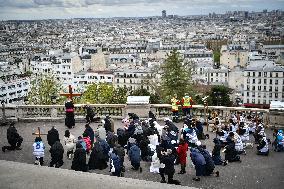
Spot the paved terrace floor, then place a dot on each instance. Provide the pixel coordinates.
(254, 171)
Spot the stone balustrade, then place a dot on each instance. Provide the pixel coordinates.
(119, 111)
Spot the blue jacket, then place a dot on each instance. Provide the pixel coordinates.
(196, 157)
(134, 154)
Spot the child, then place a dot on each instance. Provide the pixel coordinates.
(38, 150)
(69, 141)
(182, 154)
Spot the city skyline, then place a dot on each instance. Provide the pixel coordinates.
(65, 9)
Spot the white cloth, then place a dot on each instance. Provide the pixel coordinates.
(38, 149)
(154, 140)
(245, 136)
(101, 132)
(265, 148)
(70, 142)
(155, 164)
(239, 144)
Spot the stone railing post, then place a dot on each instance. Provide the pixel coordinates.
(53, 112)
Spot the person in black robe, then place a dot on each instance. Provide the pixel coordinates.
(14, 139)
(69, 109)
(52, 136)
(90, 114)
(79, 160)
(97, 158)
(56, 152)
(90, 132)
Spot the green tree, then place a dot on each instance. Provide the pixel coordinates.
(217, 55)
(176, 76)
(43, 87)
(104, 94)
(219, 96)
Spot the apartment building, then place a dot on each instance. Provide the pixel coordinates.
(263, 82)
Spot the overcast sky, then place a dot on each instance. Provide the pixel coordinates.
(46, 9)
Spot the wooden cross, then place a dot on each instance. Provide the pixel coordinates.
(38, 133)
(70, 94)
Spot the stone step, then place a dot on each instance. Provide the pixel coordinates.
(21, 175)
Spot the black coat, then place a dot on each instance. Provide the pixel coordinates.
(169, 161)
(12, 134)
(120, 152)
(97, 158)
(52, 136)
(90, 132)
(79, 160)
(56, 151)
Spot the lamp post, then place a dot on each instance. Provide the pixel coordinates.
(205, 102)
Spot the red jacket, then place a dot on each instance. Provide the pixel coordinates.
(182, 152)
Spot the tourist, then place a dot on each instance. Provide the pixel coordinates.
(56, 152)
(182, 155)
(199, 162)
(115, 164)
(168, 159)
(14, 139)
(70, 142)
(79, 160)
(262, 148)
(38, 151)
(52, 136)
(135, 157)
(90, 132)
(97, 159)
(69, 109)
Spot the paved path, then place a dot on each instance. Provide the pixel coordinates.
(254, 171)
(11, 176)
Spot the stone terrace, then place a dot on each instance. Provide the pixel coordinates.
(254, 171)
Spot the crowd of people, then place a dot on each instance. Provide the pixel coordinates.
(164, 146)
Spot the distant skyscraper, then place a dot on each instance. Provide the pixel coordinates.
(164, 14)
